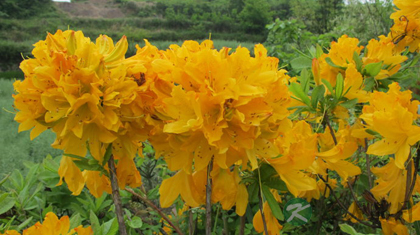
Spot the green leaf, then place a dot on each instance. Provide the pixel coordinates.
(253, 192)
(87, 165)
(274, 205)
(24, 223)
(348, 229)
(108, 154)
(317, 95)
(135, 222)
(349, 103)
(373, 69)
(374, 133)
(111, 227)
(329, 62)
(417, 227)
(297, 90)
(358, 61)
(6, 203)
(369, 83)
(319, 51)
(4, 179)
(339, 86)
(75, 156)
(300, 63)
(304, 79)
(75, 220)
(95, 223)
(328, 85)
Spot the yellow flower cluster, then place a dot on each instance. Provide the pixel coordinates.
(81, 91)
(225, 108)
(341, 60)
(53, 226)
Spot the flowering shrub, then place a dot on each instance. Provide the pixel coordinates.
(229, 123)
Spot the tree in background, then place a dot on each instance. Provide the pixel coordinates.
(22, 8)
(255, 15)
(375, 17)
(317, 15)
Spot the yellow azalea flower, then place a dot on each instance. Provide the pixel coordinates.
(383, 51)
(227, 189)
(392, 114)
(334, 156)
(355, 210)
(127, 173)
(83, 231)
(51, 225)
(224, 188)
(413, 214)
(390, 184)
(72, 174)
(273, 226)
(341, 54)
(297, 149)
(179, 184)
(54, 226)
(353, 84)
(392, 226)
(97, 183)
(316, 71)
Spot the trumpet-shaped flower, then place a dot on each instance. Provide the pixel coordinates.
(392, 114)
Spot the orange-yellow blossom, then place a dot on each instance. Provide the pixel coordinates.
(392, 114)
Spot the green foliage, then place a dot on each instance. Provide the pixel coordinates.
(23, 8)
(255, 15)
(288, 39)
(364, 20)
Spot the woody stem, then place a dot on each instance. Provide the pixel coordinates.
(261, 202)
(154, 207)
(116, 196)
(208, 198)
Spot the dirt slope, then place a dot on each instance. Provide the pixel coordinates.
(91, 9)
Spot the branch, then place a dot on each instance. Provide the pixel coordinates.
(327, 121)
(344, 208)
(154, 207)
(208, 198)
(261, 202)
(116, 196)
(369, 174)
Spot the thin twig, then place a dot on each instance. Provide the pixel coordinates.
(261, 202)
(344, 208)
(154, 207)
(262, 213)
(242, 225)
(116, 196)
(369, 174)
(208, 198)
(191, 222)
(327, 121)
